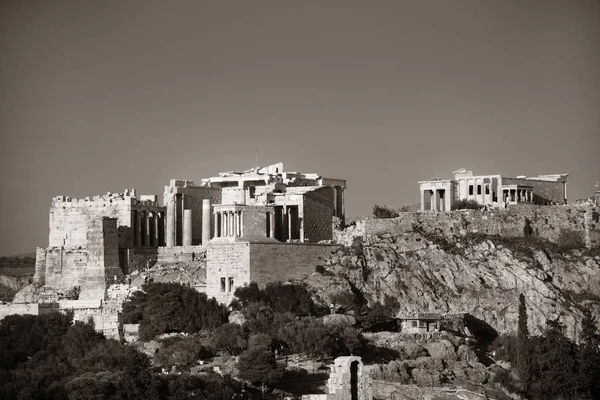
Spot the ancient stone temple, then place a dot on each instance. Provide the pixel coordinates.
(492, 190)
(94, 241)
(346, 381)
(262, 202)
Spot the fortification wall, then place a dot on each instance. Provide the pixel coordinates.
(27, 309)
(224, 261)
(90, 268)
(278, 261)
(246, 262)
(171, 255)
(549, 222)
(39, 275)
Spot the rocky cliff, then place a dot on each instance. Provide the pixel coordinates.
(430, 268)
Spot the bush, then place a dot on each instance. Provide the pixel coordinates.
(258, 365)
(230, 338)
(384, 212)
(465, 204)
(182, 351)
(172, 307)
(280, 297)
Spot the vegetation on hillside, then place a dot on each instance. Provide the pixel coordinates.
(48, 357)
(170, 307)
(384, 212)
(465, 204)
(550, 365)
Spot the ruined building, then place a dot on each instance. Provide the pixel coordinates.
(263, 224)
(347, 381)
(94, 241)
(492, 190)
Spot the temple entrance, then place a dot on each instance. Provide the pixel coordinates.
(354, 380)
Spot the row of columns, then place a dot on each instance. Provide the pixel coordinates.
(148, 228)
(435, 196)
(517, 195)
(230, 224)
(180, 217)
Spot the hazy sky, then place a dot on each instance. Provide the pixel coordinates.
(98, 96)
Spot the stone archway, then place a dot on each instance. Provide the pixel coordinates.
(354, 380)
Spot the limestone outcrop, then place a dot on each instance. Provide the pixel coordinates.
(478, 274)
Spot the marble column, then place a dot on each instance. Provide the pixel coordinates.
(156, 234)
(187, 228)
(146, 226)
(139, 227)
(205, 221)
(170, 222)
(434, 200)
(422, 200)
(272, 224)
(216, 225)
(290, 224)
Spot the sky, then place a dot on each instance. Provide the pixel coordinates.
(99, 96)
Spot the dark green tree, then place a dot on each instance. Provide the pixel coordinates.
(553, 369)
(589, 357)
(230, 338)
(384, 212)
(258, 365)
(523, 351)
(172, 307)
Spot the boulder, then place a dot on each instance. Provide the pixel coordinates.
(442, 349)
(424, 377)
(465, 353)
(237, 317)
(412, 351)
(339, 320)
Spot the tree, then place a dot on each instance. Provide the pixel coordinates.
(230, 338)
(523, 351)
(384, 212)
(465, 204)
(589, 356)
(258, 365)
(553, 366)
(172, 307)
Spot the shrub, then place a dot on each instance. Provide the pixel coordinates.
(172, 307)
(280, 297)
(258, 365)
(231, 339)
(384, 212)
(465, 204)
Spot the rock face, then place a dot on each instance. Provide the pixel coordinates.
(483, 275)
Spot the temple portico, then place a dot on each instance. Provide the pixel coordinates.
(436, 195)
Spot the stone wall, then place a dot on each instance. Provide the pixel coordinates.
(90, 268)
(39, 275)
(171, 255)
(141, 258)
(104, 314)
(69, 217)
(317, 218)
(224, 261)
(271, 262)
(247, 262)
(549, 222)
